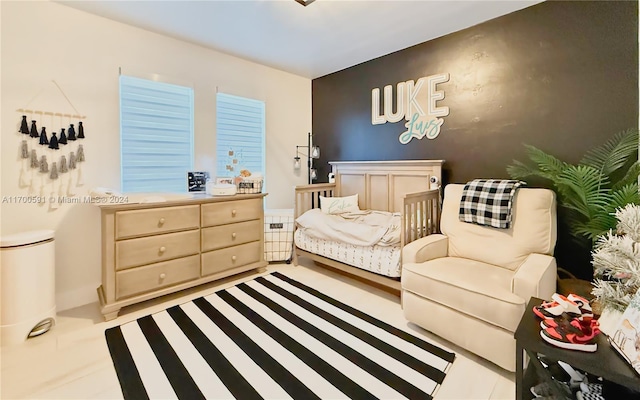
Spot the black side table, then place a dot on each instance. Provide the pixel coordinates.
(604, 362)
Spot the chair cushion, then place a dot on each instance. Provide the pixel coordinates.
(471, 287)
(533, 229)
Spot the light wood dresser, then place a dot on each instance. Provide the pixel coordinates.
(153, 249)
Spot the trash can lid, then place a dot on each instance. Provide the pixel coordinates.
(23, 238)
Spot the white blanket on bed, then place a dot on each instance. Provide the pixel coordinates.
(360, 228)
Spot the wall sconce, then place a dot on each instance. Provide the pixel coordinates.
(313, 152)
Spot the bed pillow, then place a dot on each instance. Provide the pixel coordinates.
(339, 205)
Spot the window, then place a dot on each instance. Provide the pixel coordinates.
(156, 135)
(239, 135)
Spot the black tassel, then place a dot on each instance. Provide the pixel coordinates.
(43, 136)
(63, 137)
(34, 131)
(80, 130)
(71, 135)
(24, 127)
(53, 143)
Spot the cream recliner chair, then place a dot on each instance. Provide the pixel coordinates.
(470, 284)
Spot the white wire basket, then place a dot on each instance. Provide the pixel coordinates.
(249, 185)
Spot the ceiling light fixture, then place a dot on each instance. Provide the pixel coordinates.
(305, 2)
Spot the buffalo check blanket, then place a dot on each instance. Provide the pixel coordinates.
(488, 202)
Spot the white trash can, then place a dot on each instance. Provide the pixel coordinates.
(27, 285)
(278, 235)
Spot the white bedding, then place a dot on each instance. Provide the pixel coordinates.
(358, 228)
(384, 260)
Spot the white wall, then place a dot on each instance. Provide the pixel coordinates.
(43, 41)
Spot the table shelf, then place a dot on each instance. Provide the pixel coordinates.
(604, 362)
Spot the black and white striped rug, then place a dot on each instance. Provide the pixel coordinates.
(272, 338)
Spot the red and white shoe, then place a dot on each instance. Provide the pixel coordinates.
(565, 319)
(573, 336)
(572, 305)
(581, 302)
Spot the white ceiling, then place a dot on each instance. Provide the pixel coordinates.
(324, 37)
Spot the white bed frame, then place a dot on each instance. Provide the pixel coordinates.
(395, 186)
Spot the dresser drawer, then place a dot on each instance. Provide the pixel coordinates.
(156, 276)
(231, 257)
(152, 249)
(229, 212)
(217, 237)
(156, 220)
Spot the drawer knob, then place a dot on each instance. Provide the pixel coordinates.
(233, 213)
(233, 258)
(233, 235)
(162, 249)
(162, 276)
(161, 222)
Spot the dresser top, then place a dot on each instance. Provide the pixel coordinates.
(119, 203)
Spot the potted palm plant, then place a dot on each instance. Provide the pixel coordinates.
(590, 192)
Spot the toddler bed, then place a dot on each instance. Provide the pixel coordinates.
(395, 206)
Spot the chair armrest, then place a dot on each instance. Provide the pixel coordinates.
(425, 249)
(536, 277)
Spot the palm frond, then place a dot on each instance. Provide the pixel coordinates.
(629, 178)
(584, 191)
(521, 170)
(628, 194)
(546, 162)
(613, 154)
(597, 226)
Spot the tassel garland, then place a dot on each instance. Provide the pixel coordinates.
(64, 164)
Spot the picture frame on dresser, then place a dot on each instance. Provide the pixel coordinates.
(225, 181)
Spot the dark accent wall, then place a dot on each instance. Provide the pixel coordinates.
(560, 75)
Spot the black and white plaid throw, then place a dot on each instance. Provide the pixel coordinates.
(488, 202)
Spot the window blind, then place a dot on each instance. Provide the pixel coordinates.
(239, 135)
(156, 135)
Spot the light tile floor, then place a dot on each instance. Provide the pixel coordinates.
(72, 360)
